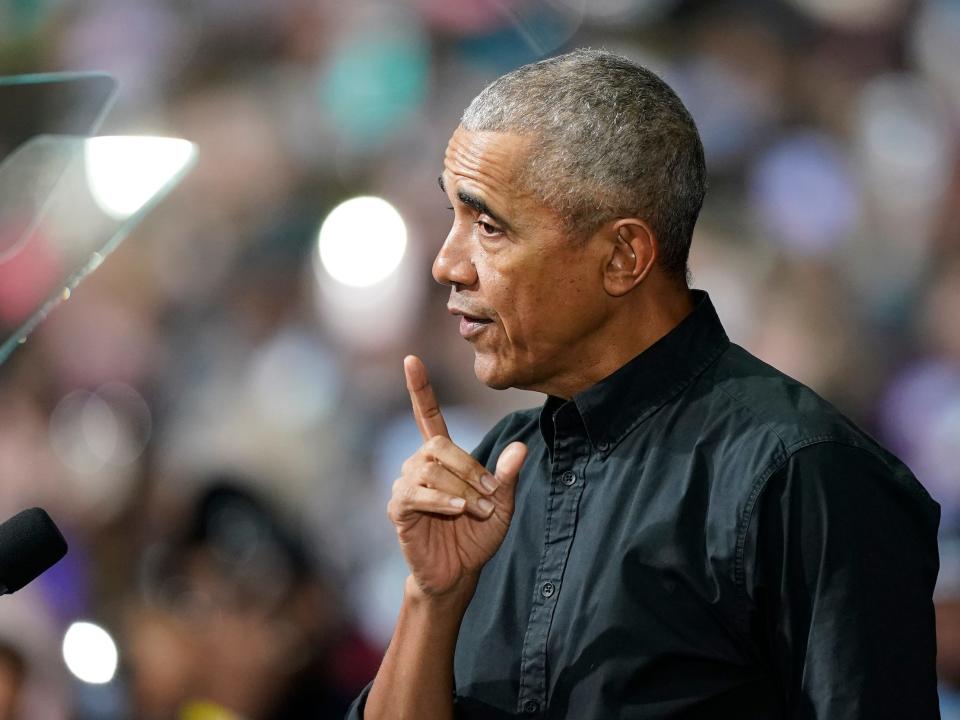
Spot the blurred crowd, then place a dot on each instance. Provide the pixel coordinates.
(215, 420)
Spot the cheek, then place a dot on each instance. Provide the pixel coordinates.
(544, 299)
(518, 304)
(543, 313)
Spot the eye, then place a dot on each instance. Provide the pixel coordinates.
(488, 230)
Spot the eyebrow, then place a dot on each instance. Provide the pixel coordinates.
(476, 203)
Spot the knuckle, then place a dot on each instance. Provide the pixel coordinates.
(427, 472)
(434, 444)
(400, 498)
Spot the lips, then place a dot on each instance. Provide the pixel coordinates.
(470, 324)
(470, 328)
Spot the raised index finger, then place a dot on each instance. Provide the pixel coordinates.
(426, 410)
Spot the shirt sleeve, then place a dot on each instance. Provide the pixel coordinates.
(845, 561)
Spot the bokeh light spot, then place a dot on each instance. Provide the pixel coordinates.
(90, 653)
(805, 193)
(362, 241)
(376, 82)
(124, 173)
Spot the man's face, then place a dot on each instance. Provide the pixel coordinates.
(530, 297)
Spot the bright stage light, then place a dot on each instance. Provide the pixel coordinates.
(90, 653)
(362, 241)
(124, 173)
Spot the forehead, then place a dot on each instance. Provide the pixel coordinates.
(489, 161)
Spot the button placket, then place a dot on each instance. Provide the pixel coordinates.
(571, 449)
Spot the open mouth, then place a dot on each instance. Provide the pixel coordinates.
(470, 326)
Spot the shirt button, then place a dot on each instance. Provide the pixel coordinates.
(568, 478)
(548, 589)
(531, 707)
(603, 446)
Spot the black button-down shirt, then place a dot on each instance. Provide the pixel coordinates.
(700, 536)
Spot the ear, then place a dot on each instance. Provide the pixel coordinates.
(632, 253)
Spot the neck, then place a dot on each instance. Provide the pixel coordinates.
(634, 327)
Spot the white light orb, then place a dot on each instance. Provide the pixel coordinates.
(371, 319)
(124, 173)
(362, 241)
(90, 653)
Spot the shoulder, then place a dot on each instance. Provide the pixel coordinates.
(776, 405)
(520, 425)
(838, 507)
(859, 478)
(846, 511)
(784, 427)
(767, 416)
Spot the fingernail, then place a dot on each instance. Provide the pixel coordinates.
(489, 482)
(458, 502)
(486, 507)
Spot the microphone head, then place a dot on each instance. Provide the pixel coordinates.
(29, 544)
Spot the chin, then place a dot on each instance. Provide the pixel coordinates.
(492, 373)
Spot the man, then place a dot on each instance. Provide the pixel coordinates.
(681, 531)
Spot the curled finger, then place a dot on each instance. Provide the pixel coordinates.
(460, 463)
(411, 500)
(437, 476)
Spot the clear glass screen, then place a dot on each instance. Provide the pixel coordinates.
(67, 200)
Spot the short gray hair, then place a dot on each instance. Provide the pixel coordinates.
(611, 139)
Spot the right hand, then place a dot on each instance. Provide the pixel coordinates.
(448, 522)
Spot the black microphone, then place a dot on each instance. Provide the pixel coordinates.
(29, 544)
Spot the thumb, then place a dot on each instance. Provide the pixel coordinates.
(510, 461)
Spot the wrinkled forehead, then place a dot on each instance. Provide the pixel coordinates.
(492, 161)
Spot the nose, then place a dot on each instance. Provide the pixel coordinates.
(454, 265)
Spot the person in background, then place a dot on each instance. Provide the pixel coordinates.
(248, 626)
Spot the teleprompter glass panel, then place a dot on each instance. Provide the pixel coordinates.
(52, 104)
(65, 204)
(41, 104)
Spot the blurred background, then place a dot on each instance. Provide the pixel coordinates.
(216, 416)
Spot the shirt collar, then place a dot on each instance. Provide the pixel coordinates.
(613, 407)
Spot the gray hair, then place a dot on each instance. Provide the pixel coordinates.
(610, 139)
